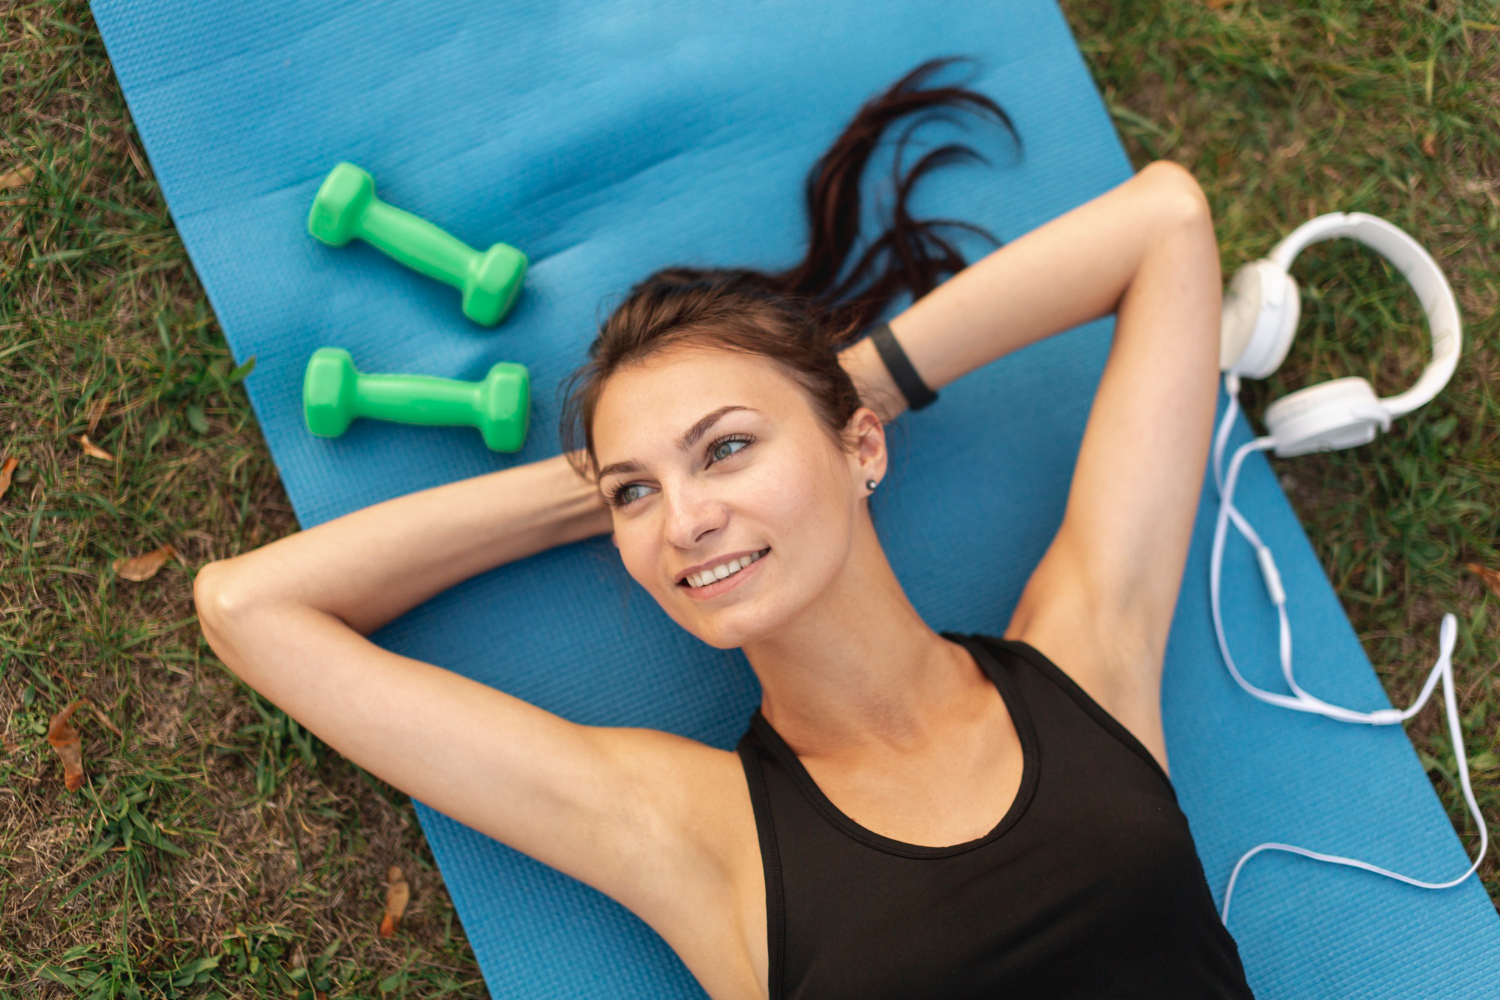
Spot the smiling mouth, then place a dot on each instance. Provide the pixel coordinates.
(723, 571)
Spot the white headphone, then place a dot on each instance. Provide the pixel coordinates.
(1261, 309)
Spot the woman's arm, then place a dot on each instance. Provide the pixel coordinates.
(1100, 603)
(608, 806)
(371, 566)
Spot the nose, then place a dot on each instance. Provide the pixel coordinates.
(693, 514)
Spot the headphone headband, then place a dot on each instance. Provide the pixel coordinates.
(1420, 270)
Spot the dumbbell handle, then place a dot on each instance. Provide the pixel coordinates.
(398, 232)
(419, 399)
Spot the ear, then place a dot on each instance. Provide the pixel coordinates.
(868, 459)
(615, 539)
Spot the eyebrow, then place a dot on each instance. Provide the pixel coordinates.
(689, 438)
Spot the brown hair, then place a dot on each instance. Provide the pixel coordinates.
(800, 318)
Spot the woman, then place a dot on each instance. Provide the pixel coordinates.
(910, 814)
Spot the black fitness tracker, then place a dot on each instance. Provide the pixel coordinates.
(899, 365)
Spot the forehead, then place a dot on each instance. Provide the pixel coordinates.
(647, 406)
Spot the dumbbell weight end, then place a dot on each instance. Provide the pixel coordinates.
(340, 204)
(505, 405)
(328, 392)
(491, 288)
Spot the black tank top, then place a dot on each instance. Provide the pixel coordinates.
(1089, 886)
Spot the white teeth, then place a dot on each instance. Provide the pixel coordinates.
(721, 571)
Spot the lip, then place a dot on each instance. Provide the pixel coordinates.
(725, 585)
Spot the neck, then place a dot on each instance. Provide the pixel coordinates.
(859, 667)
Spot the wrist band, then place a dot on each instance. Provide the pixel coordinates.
(899, 365)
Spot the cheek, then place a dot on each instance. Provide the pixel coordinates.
(801, 507)
(796, 497)
(640, 549)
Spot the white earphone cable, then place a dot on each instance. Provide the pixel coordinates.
(1300, 700)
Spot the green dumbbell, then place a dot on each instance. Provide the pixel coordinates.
(346, 207)
(334, 393)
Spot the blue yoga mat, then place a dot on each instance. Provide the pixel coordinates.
(608, 138)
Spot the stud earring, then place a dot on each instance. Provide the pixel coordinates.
(870, 485)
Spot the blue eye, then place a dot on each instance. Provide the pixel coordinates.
(619, 496)
(724, 447)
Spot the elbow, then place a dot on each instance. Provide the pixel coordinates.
(226, 609)
(208, 592)
(1177, 199)
(219, 599)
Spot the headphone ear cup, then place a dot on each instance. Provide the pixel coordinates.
(1343, 413)
(1240, 315)
(1261, 308)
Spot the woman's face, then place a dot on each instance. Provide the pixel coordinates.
(733, 505)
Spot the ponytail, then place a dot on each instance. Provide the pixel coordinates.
(801, 317)
(911, 255)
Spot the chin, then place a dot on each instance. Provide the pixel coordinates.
(732, 627)
(728, 631)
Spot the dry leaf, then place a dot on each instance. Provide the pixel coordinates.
(96, 412)
(1429, 144)
(396, 896)
(1491, 577)
(6, 471)
(65, 740)
(144, 567)
(90, 448)
(19, 177)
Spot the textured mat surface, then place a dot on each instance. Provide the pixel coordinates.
(607, 139)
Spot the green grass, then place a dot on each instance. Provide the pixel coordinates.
(218, 850)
